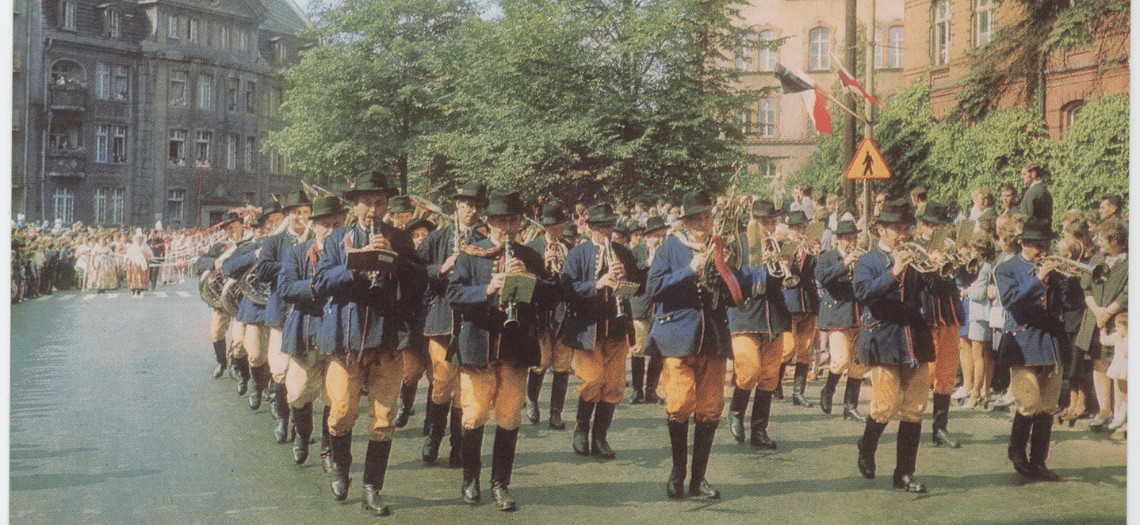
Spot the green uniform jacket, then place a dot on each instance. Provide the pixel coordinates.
(1113, 289)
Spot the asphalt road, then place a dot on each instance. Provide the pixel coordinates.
(115, 419)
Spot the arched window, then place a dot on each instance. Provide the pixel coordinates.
(1069, 114)
(68, 73)
(819, 51)
(767, 51)
(744, 54)
(940, 32)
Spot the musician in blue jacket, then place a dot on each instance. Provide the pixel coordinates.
(552, 247)
(439, 251)
(362, 321)
(645, 381)
(255, 336)
(942, 307)
(758, 328)
(838, 320)
(293, 230)
(690, 328)
(211, 262)
(895, 342)
(305, 373)
(496, 344)
(598, 327)
(1034, 345)
(802, 300)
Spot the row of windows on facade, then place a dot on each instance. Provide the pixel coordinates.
(760, 53)
(204, 92)
(941, 32)
(110, 204)
(68, 18)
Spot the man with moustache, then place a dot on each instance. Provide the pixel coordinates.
(361, 327)
(439, 251)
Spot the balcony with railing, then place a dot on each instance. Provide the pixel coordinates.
(70, 96)
(67, 162)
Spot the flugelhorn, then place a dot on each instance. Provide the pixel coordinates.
(921, 261)
(1071, 268)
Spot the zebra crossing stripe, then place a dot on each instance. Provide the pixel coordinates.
(159, 294)
(112, 296)
(88, 297)
(182, 294)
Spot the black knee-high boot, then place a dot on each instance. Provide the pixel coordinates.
(557, 399)
(533, 389)
(761, 410)
(679, 442)
(827, 395)
(1018, 440)
(603, 416)
(906, 456)
(303, 421)
(1039, 447)
(261, 379)
(637, 366)
(653, 378)
(736, 413)
(407, 404)
(375, 466)
(427, 411)
(703, 436)
(779, 392)
(799, 384)
(220, 357)
(472, 464)
(455, 459)
(281, 402)
(502, 463)
(868, 445)
(326, 440)
(851, 401)
(435, 436)
(242, 366)
(341, 461)
(585, 414)
(941, 419)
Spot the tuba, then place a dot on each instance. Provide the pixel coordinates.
(256, 291)
(231, 296)
(210, 286)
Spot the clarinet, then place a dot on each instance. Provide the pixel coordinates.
(377, 279)
(511, 307)
(622, 310)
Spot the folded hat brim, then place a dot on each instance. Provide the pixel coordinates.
(697, 210)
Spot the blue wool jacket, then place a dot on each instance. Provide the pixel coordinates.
(590, 315)
(892, 330)
(303, 307)
(1033, 331)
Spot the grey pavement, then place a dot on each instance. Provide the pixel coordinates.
(115, 418)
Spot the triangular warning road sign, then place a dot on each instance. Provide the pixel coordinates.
(867, 163)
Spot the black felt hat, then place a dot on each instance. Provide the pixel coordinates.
(476, 191)
(401, 204)
(374, 182)
(503, 203)
(934, 213)
(552, 214)
(269, 208)
(797, 218)
(653, 224)
(764, 208)
(601, 213)
(420, 223)
(896, 212)
(695, 202)
(326, 206)
(846, 227)
(1036, 230)
(295, 199)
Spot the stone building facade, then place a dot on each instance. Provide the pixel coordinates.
(131, 112)
(778, 126)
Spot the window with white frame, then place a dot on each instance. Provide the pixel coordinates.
(177, 147)
(940, 33)
(877, 45)
(231, 151)
(767, 168)
(766, 117)
(232, 93)
(118, 204)
(120, 88)
(766, 51)
(69, 16)
(202, 149)
(205, 91)
(742, 120)
(281, 51)
(113, 23)
(744, 54)
(102, 143)
(102, 81)
(64, 205)
(983, 22)
(101, 205)
(119, 145)
(895, 47)
(251, 96)
(819, 50)
(173, 27)
(194, 30)
(176, 205)
(178, 88)
(249, 149)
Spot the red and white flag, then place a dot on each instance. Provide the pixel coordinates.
(851, 84)
(814, 98)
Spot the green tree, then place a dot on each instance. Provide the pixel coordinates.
(366, 96)
(1094, 160)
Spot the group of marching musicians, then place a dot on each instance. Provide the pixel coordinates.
(678, 302)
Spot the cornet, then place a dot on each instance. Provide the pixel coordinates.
(921, 261)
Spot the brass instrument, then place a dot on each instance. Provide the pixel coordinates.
(921, 261)
(775, 264)
(210, 286)
(555, 255)
(1071, 268)
(256, 291)
(424, 206)
(231, 296)
(623, 290)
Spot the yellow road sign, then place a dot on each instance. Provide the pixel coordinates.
(867, 163)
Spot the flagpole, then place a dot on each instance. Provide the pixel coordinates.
(845, 108)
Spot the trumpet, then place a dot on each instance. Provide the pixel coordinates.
(921, 261)
(777, 267)
(1071, 268)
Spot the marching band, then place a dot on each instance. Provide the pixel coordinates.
(324, 311)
